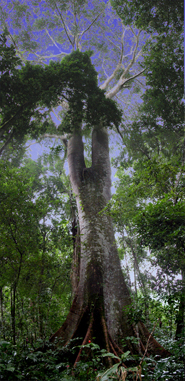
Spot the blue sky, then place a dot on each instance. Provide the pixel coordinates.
(104, 34)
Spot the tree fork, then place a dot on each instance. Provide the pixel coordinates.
(102, 295)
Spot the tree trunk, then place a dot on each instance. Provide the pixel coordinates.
(99, 307)
(13, 294)
(2, 313)
(181, 311)
(75, 275)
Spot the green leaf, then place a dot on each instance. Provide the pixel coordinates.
(10, 368)
(110, 355)
(113, 369)
(125, 355)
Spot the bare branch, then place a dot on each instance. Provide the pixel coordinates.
(55, 136)
(51, 56)
(57, 116)
(84, 31)
(65, 27)
(118, 67)
(122, 56)
(109, 79)
(119, 132)
(16, 47)
(51, 38)
(108, 39)
(133, 57)
(121, 83)
(104, 69)
(133, 77)
(31, 144)
(122, 44)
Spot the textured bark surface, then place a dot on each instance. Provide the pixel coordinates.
(98, 307)
(100, 270)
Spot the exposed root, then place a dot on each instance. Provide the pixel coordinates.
(106, 338)
(114, 344)
(85, 341)
(152, 345)
(113, 350)
(81, 323)
(75, 331)
(66, 331)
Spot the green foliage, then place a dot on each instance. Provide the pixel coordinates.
(91, 361)
(152, 14)
(20, 363)
(164, 65)
(27, 91)
(21, 90)
(160, 226)
(170, 368)
(117, 369)
(36, 250)
(148, 208)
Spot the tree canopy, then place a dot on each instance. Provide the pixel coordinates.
(151, 15)
(29, 91)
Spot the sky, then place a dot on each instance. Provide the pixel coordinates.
(41, 30)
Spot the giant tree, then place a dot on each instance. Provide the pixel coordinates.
(98, 309)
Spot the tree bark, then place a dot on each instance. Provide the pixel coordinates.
(2, 313)
(181, 311)
(13, 294)
(100, 270)
(102, 296)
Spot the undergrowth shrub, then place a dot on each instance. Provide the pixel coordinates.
(48, 362)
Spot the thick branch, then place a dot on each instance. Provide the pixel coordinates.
(55, 136)
(133, 58)
(41, 58)
(111, 77)
(121, 83)
(118, 67)
(53, 41)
